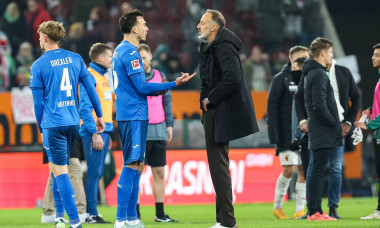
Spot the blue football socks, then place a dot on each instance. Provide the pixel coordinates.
(60, 210)
(67, 193)
(131, 210)
(124, 191)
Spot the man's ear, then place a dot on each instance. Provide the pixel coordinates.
(100, 58)
(45, 38)
(323, 53)
(213, 27)
(134, 29)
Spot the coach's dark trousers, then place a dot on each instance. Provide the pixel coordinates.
(217, 155)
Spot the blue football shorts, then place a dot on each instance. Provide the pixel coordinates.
(57, 143)
(133, 138)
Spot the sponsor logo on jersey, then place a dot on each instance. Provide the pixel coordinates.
(133, 52)
(65, 103)
(135, 64)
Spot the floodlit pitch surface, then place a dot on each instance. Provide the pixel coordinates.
(203, 216)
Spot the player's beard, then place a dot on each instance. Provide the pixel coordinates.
(142, 39)
(204, 35)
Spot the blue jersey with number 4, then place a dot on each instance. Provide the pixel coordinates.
(57, 73)
(131, 88)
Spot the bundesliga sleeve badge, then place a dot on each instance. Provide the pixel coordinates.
(135, 64)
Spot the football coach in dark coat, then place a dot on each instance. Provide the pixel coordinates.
(226, 101)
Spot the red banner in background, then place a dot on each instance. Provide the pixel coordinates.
(253, 174)
(23, 179)
(27, 134)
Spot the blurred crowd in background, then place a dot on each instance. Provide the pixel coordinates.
(267, 29)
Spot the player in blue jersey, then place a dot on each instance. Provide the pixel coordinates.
(96, 145)
(54, 83)
(131, 90)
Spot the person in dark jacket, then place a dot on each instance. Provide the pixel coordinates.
(325, 131)
(345, 91)
(226, 101)
(279, 118)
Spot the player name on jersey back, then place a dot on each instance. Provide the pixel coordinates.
(60, 62)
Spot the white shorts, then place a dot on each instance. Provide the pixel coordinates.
(288, 157)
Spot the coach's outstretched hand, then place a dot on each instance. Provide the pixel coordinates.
(184, 78)
(100, 125)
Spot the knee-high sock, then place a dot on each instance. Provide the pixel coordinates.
(131, 210)
(124, 191)
(300, 196)
(280, 192)
(67, 193)
(160, 210)
(60, 210)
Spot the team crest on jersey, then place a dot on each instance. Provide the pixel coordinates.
(135, 64)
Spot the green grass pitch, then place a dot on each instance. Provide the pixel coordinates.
(203, 216)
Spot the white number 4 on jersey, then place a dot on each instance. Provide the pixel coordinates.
(65, 82)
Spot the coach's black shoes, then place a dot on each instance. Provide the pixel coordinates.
(96, 219)
(333, 213)
(166, 218)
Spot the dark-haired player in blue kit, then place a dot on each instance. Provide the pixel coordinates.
(131, 90)
(54, 83)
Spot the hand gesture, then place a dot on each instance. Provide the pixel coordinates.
(184, 78)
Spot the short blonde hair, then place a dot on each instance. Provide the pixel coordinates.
(296, 49)
(143, 47)
(52, 29)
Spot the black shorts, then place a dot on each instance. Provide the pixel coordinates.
(155, 154)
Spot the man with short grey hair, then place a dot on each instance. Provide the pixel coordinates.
(227, 106)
